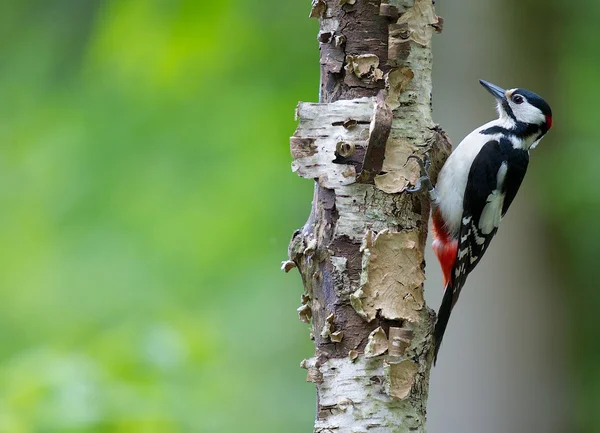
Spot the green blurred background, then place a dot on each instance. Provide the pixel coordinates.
(147, 202)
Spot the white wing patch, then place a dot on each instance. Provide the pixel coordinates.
(492, 212)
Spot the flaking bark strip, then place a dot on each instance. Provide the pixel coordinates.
(421, 20)
(337, 336)
(305, 310)
(396, 83)
(313, 372)
(399, 378)
(399, 341)
(328, 327)
(353, 355)
(379, 132)
(339, 263)
(364, 66)
(304, 313)
(377, 344)
(392, 277)
(439, 26)
(318, 9)
(287, 265)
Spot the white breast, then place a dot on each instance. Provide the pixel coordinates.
(452, 179)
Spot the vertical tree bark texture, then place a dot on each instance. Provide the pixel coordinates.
(360, 254)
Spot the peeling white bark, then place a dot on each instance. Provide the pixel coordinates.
(355, 396)
(321, 129)
(361, 252)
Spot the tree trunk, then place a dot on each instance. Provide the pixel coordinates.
(360, 254)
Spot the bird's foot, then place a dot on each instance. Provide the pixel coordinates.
(424, 181)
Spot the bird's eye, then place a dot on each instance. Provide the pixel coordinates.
(517, 99)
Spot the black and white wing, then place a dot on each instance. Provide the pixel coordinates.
(493, 182)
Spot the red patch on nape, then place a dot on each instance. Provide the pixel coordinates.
(444, 246)
(549, 121)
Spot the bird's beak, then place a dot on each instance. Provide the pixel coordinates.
(497, 91)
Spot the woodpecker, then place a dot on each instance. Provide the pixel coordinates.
(476, 186)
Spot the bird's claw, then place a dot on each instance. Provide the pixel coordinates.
(418, 186)
(424, 163)
(424, 180)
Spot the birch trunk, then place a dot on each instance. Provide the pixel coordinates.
(360, 254)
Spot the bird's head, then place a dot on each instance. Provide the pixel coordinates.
(521, 108)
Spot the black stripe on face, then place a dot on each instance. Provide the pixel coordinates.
(520, 130)
(508, 110)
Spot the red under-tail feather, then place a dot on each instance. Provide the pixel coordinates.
(445, 248)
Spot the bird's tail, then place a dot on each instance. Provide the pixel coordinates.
(442, 320)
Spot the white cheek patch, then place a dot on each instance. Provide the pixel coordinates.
(527, 113)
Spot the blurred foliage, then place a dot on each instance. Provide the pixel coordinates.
(574, 197)
(147, 203)
(560, 52)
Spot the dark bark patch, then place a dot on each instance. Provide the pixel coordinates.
(301, 147)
